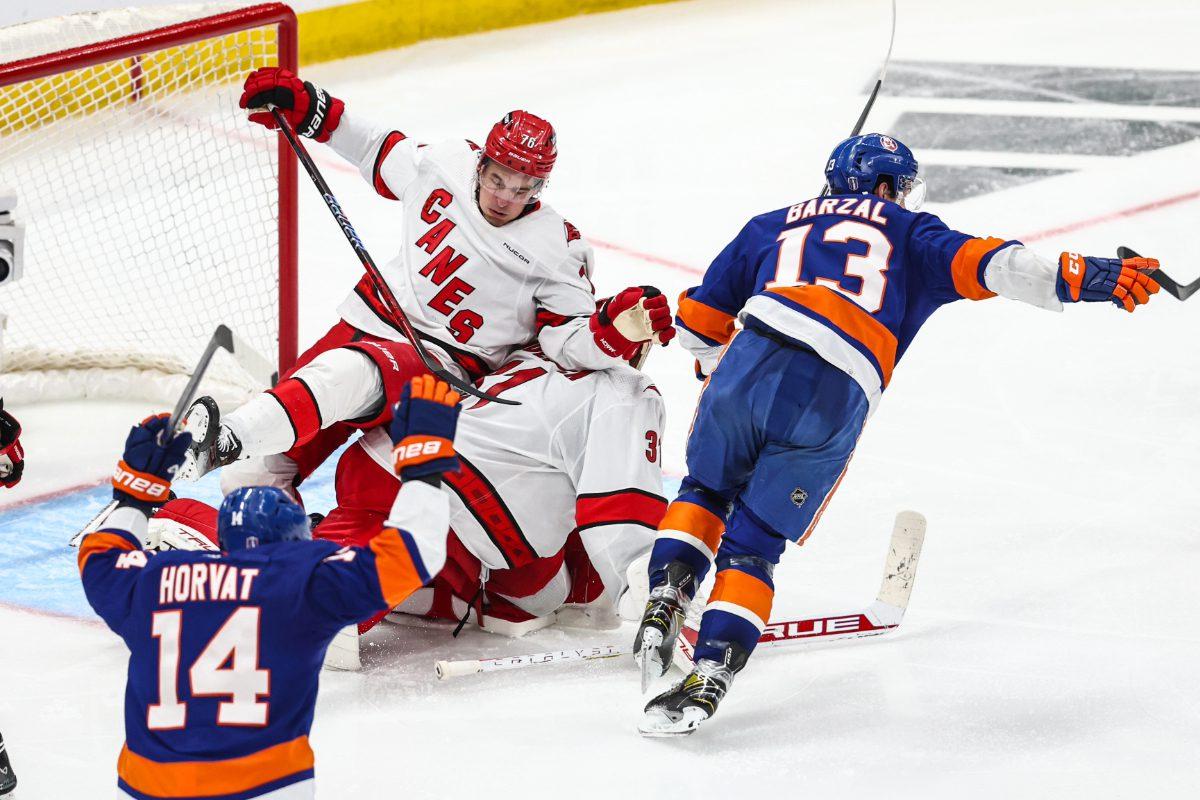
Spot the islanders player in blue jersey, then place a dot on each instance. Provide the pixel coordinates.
(830, 293)
(225, 648)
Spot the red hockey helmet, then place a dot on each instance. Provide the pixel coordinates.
(524, 142)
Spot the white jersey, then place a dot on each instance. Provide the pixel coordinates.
(582, 452)
(478, 292)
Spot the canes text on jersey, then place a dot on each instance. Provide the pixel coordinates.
(443, 265)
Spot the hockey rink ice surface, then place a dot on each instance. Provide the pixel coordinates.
(1050, 648)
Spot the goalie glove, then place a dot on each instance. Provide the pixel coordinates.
(635, 315)
(1093, 280)
(313, 112)
(422, 430)
(12, 457)
(143, 476)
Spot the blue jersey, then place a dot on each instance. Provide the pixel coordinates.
(852, 277)
(226, 648)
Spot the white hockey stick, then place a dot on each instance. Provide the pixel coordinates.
(882, 615)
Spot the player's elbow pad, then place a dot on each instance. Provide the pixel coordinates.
(1018, 273)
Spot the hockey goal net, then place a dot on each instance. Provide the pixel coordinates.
(152, 212)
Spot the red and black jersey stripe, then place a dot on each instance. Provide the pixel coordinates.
(391, 140)
(480, 498)
(620, 507)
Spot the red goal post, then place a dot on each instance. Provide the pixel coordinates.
(152, 210)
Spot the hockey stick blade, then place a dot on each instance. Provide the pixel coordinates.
(378, 285)
(1169, 284)
(883, 615)
(222, 338)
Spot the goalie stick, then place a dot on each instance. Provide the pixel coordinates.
(1169, 284)
(884, 614)
(378, 285)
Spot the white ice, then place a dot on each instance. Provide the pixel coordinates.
(1050, 648)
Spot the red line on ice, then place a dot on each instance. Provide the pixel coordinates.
(41, 612)
(662, 262)
(1128, 212)
(53, 495)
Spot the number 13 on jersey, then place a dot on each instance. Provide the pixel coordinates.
(871, 267)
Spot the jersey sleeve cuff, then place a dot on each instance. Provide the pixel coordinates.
(970, 263)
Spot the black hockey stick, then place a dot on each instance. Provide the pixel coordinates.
(862, 118)
(378, 284)
(222, 339)
(1169, 284)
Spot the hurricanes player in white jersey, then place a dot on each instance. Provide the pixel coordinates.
(552, 502)
(485, 267)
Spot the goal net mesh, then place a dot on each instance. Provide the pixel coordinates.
(151, 208)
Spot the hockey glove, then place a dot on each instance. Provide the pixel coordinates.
(635, 315)
(1093, 280)
(12, 457)
(422, 430)
(311, 110)
(143, 475)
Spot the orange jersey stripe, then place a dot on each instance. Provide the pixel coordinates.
(208, 778)
(695, 520)
(747, 591)
(705, 320)
(824, 503)
(850, 320)
(100, 543)
(964, 269)
(398, 576)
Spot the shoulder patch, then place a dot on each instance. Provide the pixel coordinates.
(573, 233)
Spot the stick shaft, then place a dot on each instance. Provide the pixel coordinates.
(862, 117)
(378, 284)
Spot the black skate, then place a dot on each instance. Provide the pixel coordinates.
(213, 444)
(680, 711)
(661, 622)
(8, 778)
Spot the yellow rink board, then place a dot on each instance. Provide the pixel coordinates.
(373, 25)
(325, 34)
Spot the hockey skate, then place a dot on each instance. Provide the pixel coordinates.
(8, 778)
(680, 710)
(213, 444)
(661, 622)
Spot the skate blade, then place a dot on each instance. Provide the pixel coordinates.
(648, 660)
(655, 724)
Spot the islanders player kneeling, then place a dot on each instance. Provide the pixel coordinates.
(225, 648)
(830, 293)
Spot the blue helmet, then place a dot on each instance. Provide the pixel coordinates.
(256, 515)
(857, 164)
